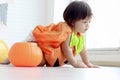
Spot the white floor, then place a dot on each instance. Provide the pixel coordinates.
(9, 72)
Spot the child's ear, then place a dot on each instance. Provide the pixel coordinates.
(73, 23)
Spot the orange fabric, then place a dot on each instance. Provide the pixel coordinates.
(50, 38)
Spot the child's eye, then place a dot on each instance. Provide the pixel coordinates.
(84, 21)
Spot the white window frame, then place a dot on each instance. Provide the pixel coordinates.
(105, 56)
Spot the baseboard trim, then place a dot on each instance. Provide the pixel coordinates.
(106, 63)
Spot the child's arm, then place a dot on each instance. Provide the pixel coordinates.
(69, 54)
(84, 57)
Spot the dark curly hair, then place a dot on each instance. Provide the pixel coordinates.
(76, 10)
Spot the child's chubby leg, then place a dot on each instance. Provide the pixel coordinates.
(6, 61)
(43, 62)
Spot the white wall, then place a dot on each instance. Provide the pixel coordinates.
(50, 4)
(60, 6)
(23, 16)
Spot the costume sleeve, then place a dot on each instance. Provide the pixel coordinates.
(52, 34)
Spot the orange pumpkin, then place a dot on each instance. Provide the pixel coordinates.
(25, 54)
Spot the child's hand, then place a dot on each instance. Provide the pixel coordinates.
(81, 65)
(92, 65)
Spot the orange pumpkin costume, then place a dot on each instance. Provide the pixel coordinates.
(49, 38)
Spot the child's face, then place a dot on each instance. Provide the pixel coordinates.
(82, 25)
